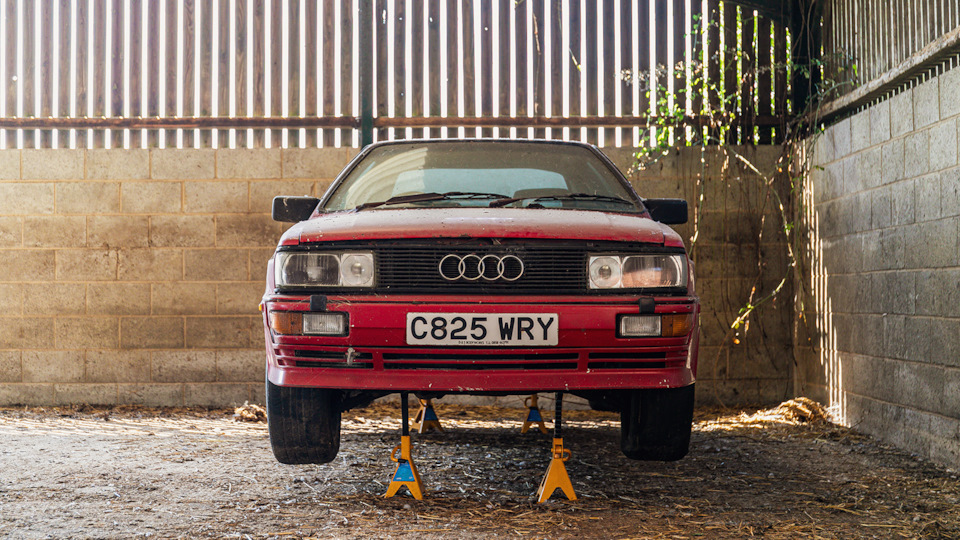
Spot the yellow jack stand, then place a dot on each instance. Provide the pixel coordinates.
(533, 415)
(556, 476)
(426, 419)
(406, 474)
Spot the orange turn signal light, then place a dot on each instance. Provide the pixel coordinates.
(286, 323)
(676, 324)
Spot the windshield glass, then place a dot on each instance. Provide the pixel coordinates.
(460, 174)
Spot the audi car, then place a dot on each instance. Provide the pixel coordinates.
(484, 267)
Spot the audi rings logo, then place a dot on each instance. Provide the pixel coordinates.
(487, 267)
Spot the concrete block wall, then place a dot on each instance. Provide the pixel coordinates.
(727, 255)
(883, 310)
(133, 276)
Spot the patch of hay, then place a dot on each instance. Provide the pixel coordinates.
(250, 413)
(802, 411)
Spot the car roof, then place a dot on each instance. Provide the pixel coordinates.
(484, 141)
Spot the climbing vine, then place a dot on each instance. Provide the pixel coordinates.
(780, 190)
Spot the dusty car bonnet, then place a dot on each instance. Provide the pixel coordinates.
(479, 223)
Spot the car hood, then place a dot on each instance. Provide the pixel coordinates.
(480, 223)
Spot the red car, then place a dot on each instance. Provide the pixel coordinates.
(486, 267)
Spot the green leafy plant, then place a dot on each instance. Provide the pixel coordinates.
(781, 189)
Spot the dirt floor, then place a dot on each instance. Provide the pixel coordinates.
(135, 472)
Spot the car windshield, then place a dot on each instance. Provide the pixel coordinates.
(482, 174)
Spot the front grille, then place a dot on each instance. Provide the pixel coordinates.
(333, 365)
(467, 357)
(546, 268)
(331, 355)
(480, 366)
(628, 360)
(626, 365)
(331, 359)
(627, 356)
(479, 362)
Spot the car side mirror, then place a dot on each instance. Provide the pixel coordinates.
(294, 209)
(668, 211)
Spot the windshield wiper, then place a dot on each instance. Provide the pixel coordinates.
(564, 197)
(421, 197)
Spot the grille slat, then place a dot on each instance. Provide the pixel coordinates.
(479, 366)
(483, 357)
(627, 365)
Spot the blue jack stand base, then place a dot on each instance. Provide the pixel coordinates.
(406, 475)
(533, 416)
(426, 419)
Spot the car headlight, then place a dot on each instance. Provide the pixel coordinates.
(605, 272)
(637, 271)
(350, 269)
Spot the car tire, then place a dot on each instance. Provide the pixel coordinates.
(655, 424)
(304, 424)
(607, 401)
(602, 406)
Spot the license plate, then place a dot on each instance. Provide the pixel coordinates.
(482, 329)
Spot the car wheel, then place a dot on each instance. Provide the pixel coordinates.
(603, 406)
(655, 424)
(304, 424)
(607, 401)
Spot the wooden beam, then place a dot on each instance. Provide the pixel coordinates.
(192, 122)
(803, 53)
(365, 17)
(542, 122)
(350, 122)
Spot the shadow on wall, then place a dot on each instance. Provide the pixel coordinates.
(820, 372)
(879, 340)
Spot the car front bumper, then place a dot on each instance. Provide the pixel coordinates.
(375, 356)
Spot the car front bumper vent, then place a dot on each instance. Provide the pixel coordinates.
(480, 362)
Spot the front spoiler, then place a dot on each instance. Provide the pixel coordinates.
(375, 356)
(476, 381)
